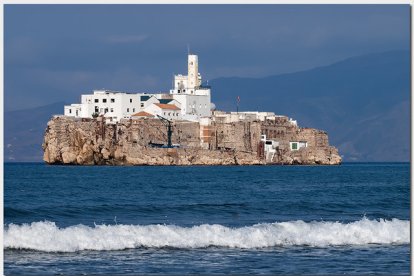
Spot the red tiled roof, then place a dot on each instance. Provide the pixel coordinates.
(167, 106)
(143, 114)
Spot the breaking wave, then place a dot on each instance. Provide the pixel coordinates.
(46, 236)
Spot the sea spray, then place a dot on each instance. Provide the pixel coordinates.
(46, 236)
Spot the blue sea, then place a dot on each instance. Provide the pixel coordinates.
(318, 220)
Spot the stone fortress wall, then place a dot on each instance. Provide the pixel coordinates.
(79, 141)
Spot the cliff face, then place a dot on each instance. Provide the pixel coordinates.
(92, 142)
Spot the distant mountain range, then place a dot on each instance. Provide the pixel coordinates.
(362, 102)
(23, 132)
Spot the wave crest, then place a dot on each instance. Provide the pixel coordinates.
(46, 236)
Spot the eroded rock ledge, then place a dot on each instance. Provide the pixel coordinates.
(92, 142)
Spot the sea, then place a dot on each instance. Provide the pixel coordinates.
(291, 220)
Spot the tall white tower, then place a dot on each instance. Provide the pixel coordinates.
(195, 99)
(193, 79)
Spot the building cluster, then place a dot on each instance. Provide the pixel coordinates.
(232, 117)
(189, 100)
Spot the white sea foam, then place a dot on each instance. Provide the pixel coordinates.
(46, 236)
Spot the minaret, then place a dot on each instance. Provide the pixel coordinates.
(193, 81)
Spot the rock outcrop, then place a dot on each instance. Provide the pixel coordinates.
(69, 140)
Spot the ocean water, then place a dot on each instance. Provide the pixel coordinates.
(348, 219)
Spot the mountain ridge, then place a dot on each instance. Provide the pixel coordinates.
(363, 102)
(332, 97)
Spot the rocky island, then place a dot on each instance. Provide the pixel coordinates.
(181, 127)
(130, 142)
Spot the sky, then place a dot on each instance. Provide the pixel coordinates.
(55, 53)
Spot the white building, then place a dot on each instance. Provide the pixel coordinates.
(188, 100)
(195, 98)
(112, 105)
(232, 117)
(168, 111)
(297, 145)
(270, 148)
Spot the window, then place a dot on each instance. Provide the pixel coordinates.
(184, 90)
(96, 109)
(70, 110)
(294, 146)
(112, 110)
(104, 100)
(133, 110)
(112, 100)
(127, 109)
(130, 100)
(142, 104)
(96, 100)
(106, 110)
(169, 113)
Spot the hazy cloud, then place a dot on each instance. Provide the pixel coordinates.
(126, 38)
(56, 52)
(22, 49)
